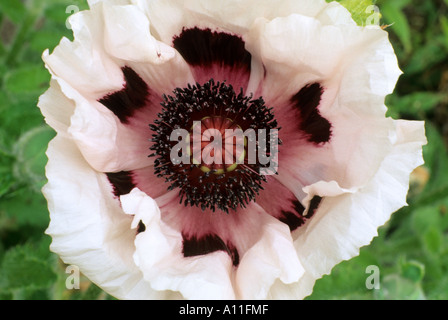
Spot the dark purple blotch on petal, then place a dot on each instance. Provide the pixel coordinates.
(132, 97)
(306, 102)
(203, 47)
(141, 227)
(314, 205)
(194, 246)
(122, 182)
(294, 217)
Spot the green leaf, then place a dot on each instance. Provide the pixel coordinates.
(413, 270)
(438, 289)
(28, 209)
(18, 116)
(31, 158)
(363, 11)
(13, 9)
(45, 39)
(6, 181)
(2, 247)
(424, 218)
(416, 104)
(427, 222)
(427, 55)
(444, 24)
(436, 162)
(27, 79)
(433, 240)
(27, 267)
(347, 280)
(393, 15)
(395, 287)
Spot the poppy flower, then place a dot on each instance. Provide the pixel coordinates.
(142, 224)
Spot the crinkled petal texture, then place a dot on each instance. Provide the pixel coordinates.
(343, 167)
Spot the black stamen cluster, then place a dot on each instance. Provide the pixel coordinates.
(208, 190)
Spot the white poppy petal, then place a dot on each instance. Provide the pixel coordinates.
(87, 227)
(233, 15)
(160, 65)
(99, 135)
(107, 144)
(109, 2)
(351, 101)
(56, 108)
(347, 220)
(319, 52)
(83, 63)
(159, 256)
(166, 17)
(334, 14)
(271, 258)
(126, 42)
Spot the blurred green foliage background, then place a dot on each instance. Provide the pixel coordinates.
(411, 251)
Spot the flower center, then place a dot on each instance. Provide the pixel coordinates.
(218, 144)
(214, 145)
